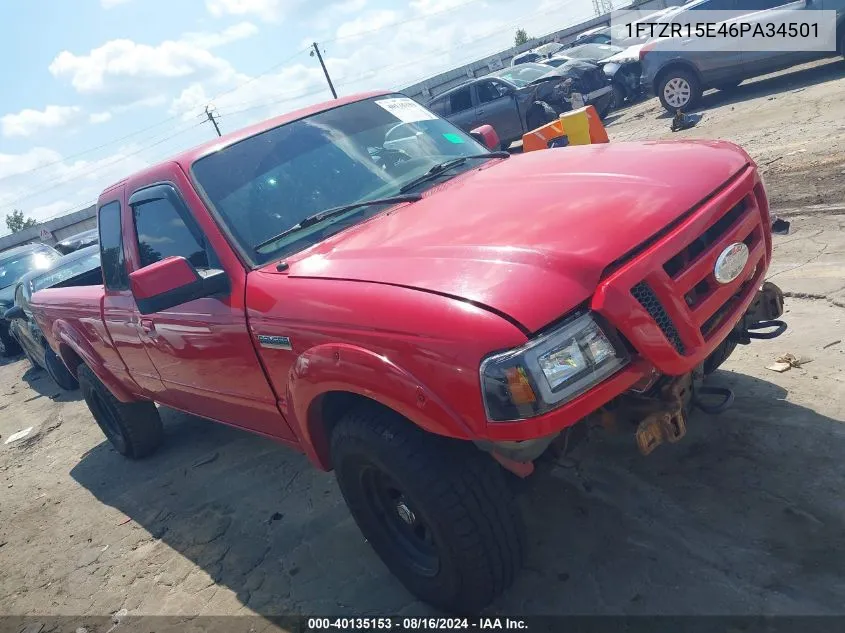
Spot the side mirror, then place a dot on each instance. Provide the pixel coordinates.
(15, 312)
(172, 282)
(486, 135)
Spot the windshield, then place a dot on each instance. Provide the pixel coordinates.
(523, 74)
(593, 51)
(66, 270)
(13, 268)
(360, 151)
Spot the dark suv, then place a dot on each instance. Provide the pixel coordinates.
(14, 264)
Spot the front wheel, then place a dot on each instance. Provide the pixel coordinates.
(619, 94)
(438, 512)
(678, 90)
(133, 428)
(539, 114)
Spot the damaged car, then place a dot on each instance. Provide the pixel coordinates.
(522, 98)
(620, 65)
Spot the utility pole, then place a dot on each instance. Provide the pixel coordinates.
(325, 72)
(211, 118)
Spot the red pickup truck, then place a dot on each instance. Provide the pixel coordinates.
(364, 282)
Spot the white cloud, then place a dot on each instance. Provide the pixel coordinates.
(269, 10)
(110, 4)
(126, 72)
(364, 24)
(240, 31)
(15, 164)
(28, 122)
(100, 117)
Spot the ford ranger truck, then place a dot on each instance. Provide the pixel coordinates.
(368, 284)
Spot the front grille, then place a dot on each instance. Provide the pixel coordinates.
(680, 261)
(645, 295)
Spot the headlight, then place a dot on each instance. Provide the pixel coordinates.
(549, 370)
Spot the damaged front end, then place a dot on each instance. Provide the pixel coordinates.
(657, 409)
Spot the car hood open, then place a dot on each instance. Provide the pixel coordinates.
(528, 236)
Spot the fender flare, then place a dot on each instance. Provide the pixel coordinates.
(68, 339)
(350, 369)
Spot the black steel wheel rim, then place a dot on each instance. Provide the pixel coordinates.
(402, 523)
(107, 419)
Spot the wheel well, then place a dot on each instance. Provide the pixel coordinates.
(323, 415)
(672, 67)
(70, 358)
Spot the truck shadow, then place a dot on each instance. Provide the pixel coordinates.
(743, 516)
(793, 79)
(39, 381)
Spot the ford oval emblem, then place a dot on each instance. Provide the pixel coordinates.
(730, 263)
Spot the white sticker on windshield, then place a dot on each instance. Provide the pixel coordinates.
(406, 110)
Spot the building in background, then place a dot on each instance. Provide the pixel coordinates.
(54, 230)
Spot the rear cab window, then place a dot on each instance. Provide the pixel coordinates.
(113, 258)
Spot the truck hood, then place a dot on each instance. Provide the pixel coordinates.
(528, 236)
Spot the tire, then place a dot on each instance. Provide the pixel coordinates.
(619, 94)
(8, 345)
(133, 428)
(438, 512)
(719, 356)
(58, 372)
(683, 84)
(539, 114)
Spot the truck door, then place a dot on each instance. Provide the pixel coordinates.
(462, 112)
(497, 107)
(201, 349)
(119, 312)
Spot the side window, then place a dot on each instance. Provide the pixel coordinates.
(111, 247)
(162, 233)
(490, 91)
(439, 106)
(460, 100)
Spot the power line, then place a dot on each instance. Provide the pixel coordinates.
(81, 170)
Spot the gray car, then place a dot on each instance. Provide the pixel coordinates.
(679, 78)
(522, 98)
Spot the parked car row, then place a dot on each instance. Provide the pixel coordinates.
(521, 98)
(677, 74)
(26, 269)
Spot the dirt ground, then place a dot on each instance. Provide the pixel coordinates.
(744, 516)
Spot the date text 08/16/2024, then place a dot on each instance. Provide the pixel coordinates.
(415, 624)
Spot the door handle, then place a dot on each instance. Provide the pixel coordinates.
(148, 326)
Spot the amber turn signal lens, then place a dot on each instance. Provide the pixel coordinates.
(520, 388)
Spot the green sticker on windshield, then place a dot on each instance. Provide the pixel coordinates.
(453, 138)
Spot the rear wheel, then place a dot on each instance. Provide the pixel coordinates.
(8, 345)
(133, 428)
(678, 89)
(439, 513)
(58, 372)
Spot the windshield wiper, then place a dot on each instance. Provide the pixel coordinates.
(439, 168)
(329, 213)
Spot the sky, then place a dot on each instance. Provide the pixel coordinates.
(94, 90)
